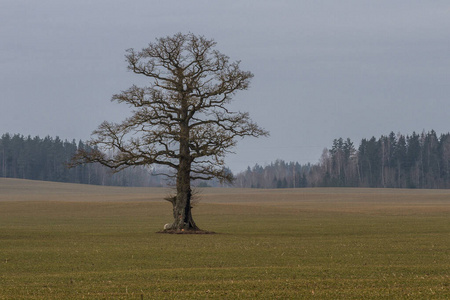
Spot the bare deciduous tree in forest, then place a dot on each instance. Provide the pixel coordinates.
(180, 119)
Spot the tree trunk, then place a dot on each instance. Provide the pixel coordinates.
(182, 211)
(182, 201)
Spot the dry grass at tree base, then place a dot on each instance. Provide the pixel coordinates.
(61, 241)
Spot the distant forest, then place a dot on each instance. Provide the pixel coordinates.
(46, 159)
(392, 161)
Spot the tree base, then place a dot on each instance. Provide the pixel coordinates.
(172, 231)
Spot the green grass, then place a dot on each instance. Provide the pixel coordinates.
(286, 244)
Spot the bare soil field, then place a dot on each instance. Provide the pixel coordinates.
(68, 241)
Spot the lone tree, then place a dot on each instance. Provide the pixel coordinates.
(180, 120)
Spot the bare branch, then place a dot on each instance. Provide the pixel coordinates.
(180, 119)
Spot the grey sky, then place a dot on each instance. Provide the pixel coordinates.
(323, 69)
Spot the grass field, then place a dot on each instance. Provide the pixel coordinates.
(64, 241)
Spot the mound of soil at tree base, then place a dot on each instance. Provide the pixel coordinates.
(171, 231)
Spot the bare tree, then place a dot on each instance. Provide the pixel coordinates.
(180, 119)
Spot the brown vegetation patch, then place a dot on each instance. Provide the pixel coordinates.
(171, 231)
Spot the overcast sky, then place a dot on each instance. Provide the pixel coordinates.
(323, 69)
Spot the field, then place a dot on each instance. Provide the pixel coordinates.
(65, 241)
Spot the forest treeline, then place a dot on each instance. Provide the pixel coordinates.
(47, 158)
(392, 161)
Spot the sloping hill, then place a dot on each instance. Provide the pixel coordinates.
(348, 200)
(33, 190)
